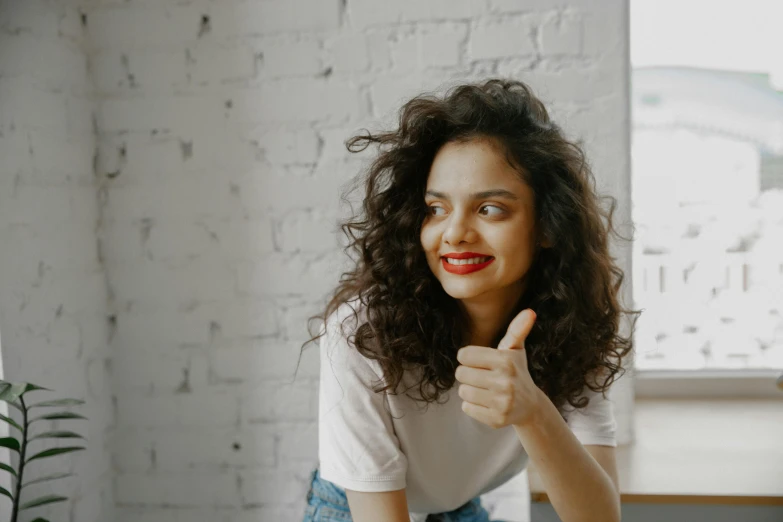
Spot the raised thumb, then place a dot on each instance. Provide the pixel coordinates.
(518, 331)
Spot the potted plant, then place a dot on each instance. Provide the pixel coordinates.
(22, 435)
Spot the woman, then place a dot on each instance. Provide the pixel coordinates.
(479, 329)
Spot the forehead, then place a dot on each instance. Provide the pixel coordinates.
(466, 166)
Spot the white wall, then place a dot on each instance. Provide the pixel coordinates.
(220, 160)
(221, 132)
(52, 285)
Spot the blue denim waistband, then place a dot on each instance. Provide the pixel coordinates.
(334, 494)
(326, 490)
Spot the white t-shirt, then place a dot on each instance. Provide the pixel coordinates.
(442, 457)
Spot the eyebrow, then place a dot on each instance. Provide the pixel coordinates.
(494, 193)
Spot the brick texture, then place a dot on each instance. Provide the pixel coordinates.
(54, 324)
(170, 193)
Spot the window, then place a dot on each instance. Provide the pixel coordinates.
(707, 196)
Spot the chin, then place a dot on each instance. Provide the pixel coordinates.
(462, 291)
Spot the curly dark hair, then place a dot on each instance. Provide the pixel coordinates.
(411, 323)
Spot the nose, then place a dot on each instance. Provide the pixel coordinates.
(458, 229)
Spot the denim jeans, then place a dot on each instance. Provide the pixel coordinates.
(326, 502)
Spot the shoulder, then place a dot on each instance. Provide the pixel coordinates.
(337, 344)
(345, 320)
(595, 423)
(597, 401)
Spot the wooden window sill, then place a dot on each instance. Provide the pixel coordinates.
(700, 451)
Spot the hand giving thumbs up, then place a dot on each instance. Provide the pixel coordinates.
(496, 386)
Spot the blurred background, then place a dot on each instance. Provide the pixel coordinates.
(170, 181)
(708, 184)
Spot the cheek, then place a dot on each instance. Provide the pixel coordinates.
(517, 245)
(428, 239)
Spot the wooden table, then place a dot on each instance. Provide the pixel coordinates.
(719, 451)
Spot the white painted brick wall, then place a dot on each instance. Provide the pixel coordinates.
(219, 165)
(52, 286)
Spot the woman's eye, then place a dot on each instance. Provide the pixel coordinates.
(433, 209)
(499, 210)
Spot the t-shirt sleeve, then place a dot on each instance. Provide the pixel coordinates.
(594, 424)
(357, 446)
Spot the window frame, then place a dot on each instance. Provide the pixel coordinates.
(713, 384)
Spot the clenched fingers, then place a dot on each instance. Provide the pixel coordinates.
(478, 377)
(476, 395)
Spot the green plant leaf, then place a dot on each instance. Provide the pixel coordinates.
(60, 415)
(58, 402)
(59, 434)
(54, 451)
(8, 468)
(47, 478)
(33, 387)
(11, 391)
(10, 443)
(6, 390)
(11, 421)
(5, 492)
(41, 501)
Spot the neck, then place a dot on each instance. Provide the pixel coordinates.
(488, 314)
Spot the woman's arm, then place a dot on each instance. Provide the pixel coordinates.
(579, 489)
(387, 506)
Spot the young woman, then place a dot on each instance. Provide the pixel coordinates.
(479, 329)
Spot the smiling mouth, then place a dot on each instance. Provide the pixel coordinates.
(465, 266)
(471, 261)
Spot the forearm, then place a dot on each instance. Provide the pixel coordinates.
(578, 488)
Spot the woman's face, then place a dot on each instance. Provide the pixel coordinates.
(478, 204)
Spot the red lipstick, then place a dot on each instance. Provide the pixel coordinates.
(464, 255)
(464, 269)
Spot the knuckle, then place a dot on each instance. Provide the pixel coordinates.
(507, 366)
(506, 386)
(504, 405)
